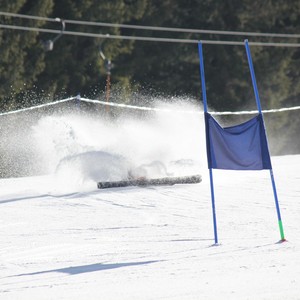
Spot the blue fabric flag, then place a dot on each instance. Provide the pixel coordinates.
(240, 147)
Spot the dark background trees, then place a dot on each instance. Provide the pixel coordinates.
(29, 74)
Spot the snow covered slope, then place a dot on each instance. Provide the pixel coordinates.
(62, 238)
(152, 243)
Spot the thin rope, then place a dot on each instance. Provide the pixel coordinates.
(252, 112)
(148, 39)
(249, 112)
(147, 108)
(36, 106)
(156, 28)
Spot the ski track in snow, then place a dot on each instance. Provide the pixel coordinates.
(152, 242)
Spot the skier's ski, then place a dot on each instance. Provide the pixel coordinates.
(148, 182)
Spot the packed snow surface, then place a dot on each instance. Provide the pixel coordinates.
(62, 238)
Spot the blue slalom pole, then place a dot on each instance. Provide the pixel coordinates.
(260, 111)
(257, 99)
(210, 169)
(213, 205)
(202, 76)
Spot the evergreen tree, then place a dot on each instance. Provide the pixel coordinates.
(75, 65)
(21, 59)
(174, 68)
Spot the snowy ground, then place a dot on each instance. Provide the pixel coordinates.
(152, 243)
(58, 241)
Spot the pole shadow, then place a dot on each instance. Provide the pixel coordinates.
(89, 268)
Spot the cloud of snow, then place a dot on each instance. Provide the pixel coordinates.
(81, 149)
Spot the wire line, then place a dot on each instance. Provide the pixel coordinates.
(157, 28)
(36, 106)
(149, 39)
(146, 108)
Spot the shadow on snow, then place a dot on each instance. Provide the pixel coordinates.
(90, 268)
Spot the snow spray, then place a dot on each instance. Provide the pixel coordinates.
(83, 149)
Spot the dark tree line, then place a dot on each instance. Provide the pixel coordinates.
(74, 64)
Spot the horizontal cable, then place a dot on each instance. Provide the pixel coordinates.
(30, 17)
(252, 112)
(156, 28)
(36, 106)
(149, 39)
(99, 35)
(117, 104)
(188, 111)
(147, 108)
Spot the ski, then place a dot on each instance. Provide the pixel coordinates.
(149, 182)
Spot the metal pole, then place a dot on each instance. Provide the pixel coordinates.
(202, 75)
(108, 67)
(213, 205)
(260, 111)
(257, 99)
(108, 83)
